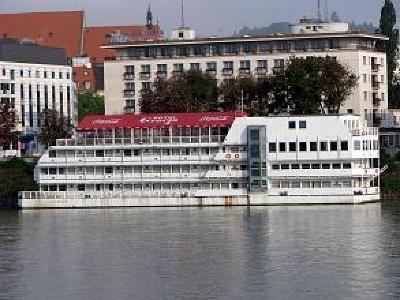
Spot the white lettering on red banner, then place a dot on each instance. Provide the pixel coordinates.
(214, 119)
(164, 120)
(106, 122)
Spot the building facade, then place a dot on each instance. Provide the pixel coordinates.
(137, 65)
(218, 158)
(34, 78)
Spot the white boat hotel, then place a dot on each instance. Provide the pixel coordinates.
(196, 159)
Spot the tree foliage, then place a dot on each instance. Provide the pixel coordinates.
(8, 124)
(309, 85)
(191, 91)
(90, 104)
(54, 126)
(386, 26)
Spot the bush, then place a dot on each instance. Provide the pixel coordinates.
(15, 175)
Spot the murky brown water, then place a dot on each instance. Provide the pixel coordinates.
(324, 252)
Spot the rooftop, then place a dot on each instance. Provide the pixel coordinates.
(166, 120)
(57, 29)
(247, 38)
(14, 51)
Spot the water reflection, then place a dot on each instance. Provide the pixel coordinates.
(274, 252)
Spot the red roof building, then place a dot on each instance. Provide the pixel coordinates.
(84, 79)
(65, 29)
(56, 29)
(166, 120)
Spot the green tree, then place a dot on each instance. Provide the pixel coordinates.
(311, 85)
(386, 26)
(8, 124)
(190, 91)
(90, 104)
(54, 126)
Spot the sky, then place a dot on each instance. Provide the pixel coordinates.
(207, 17)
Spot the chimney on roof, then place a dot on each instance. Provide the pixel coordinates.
(149, 18)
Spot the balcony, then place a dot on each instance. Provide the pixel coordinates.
(244, 72)
(227, 72)
(211, 72)
(261, 71)
(129, 92)
(277, 70)
(161, 74)
(129, 76)
(376, 85)
(144, 75)
(177, 72)
(377, 101)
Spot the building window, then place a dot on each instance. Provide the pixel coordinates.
(302, 124)
(211, 66)
(292, 125)
(245, 64)
(323, 146)
(364, 60)
(195, 67)
(344, 145)
(313, 146)
(365, 78)
(272, 147)
(282, 147)
(262, 64)
(303, 146)
(334, 146)
(292, 147)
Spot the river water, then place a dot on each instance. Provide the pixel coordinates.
(323, 252)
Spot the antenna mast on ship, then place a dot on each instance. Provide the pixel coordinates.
(182, 14)
(319, 10)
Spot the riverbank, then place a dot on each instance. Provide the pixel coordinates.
(15, 175)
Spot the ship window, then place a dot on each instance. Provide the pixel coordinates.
(52, 171)
(326, 166)
(344, 146)
(136, 152)
(52, 153)
(108, 170)
(99, 153)
(323, 146)
(254, 135)
(128, 153)
(272, 147)
(285, 167)
(292, 147)
(326, 184)
(292, 125)
(295, 167)
(282, 147)
(346, 166)
(44, 171)
(336, 166)
(317, 184)
(62, 187)
(313, 146)
(235, 185)
(334, 146)
(303, 146)
(306, 184)
(302, 124)
(357, 145)
(166, 152)
(295, 184)
(81, 187)
(275, 167)
(61, 171)
(305, 166)
(315, 166)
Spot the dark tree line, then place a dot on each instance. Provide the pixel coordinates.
(312, 85)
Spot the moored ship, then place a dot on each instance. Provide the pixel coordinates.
(216, 158)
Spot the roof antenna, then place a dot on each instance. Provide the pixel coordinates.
(326, 11)
(182, 14)
(319, 10)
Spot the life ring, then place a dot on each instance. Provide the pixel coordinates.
(228, 156)
(237, 156)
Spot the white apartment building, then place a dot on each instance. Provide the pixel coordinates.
(138, 64)
(34, 78)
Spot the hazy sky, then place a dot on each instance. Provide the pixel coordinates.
(217, 17)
